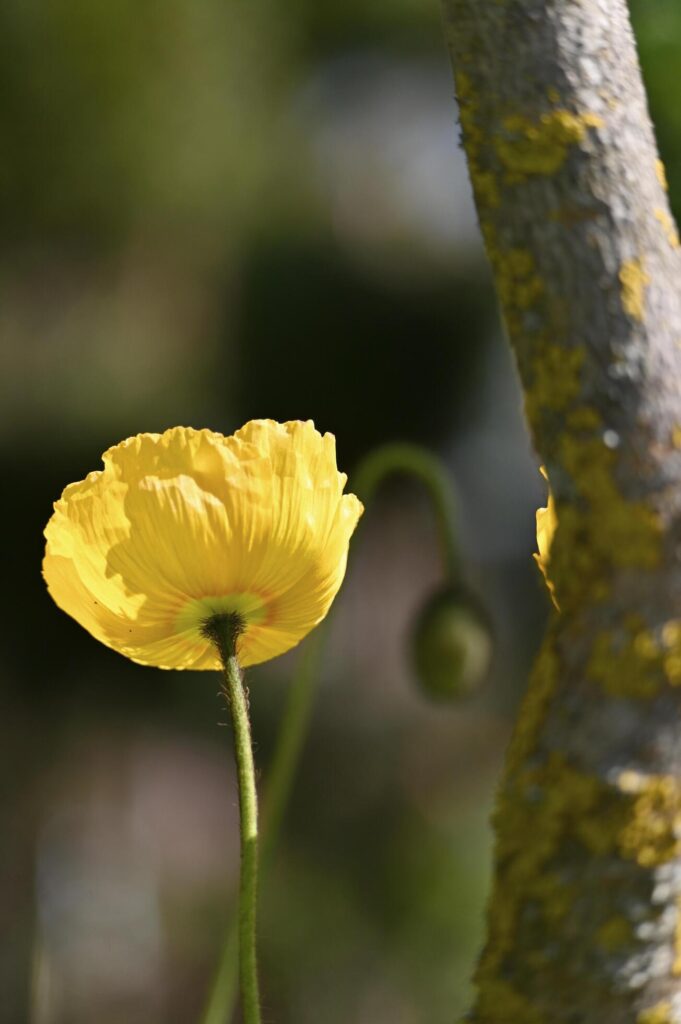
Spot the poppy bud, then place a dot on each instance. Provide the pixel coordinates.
(451, 643)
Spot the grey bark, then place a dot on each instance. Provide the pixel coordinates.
(584, 917)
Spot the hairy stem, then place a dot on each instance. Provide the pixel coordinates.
(224, 631)
(248, 807)
(281, 775)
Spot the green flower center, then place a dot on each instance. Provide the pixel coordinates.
(251, 609)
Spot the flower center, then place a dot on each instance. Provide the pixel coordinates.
(250, 608)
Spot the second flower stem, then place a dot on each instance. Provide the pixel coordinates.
(248, 807)
(414, 461)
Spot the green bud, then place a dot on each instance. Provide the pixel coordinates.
(452, 643)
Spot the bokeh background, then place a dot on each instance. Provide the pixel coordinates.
(214, 210)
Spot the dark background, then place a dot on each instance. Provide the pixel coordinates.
(213, 210)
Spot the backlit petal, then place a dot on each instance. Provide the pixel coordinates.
(184, 525)
(547, 522)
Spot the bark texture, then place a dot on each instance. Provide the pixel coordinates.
(584, 919)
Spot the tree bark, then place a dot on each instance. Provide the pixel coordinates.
(584, 918)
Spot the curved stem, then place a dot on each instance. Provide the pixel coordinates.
(413, 460)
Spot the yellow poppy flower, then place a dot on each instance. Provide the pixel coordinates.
(184, 525)
(547, 521)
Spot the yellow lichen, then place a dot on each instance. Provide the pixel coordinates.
(511, 815)
(671, 633)
(636, 661)
(661, 174)
(486, 189)
(484, 183)
(556, 380)
(671, 642)
(518, 282)
(520, 286)
(672, 668)
(635, 817)
(634, 280)
(651, 835)
(676, 965)
(539, 693)
(600, 532)
(500, 1003)
(668, 226)
(579, 805)
(676, 435)
(540, 147)
(554, 896)
(658, 1014)
(614, 933)
(626, 667)
(557, 805)
(569, 799)
(639, 817)
(517, 279)
(583, 419)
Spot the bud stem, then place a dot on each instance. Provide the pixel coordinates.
(412, 460)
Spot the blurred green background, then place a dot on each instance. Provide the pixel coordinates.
(213, 210)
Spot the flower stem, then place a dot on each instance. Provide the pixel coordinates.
(223, 630)
(248, 807)
(281, 775)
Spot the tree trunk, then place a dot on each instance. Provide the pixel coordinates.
(584, 919)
